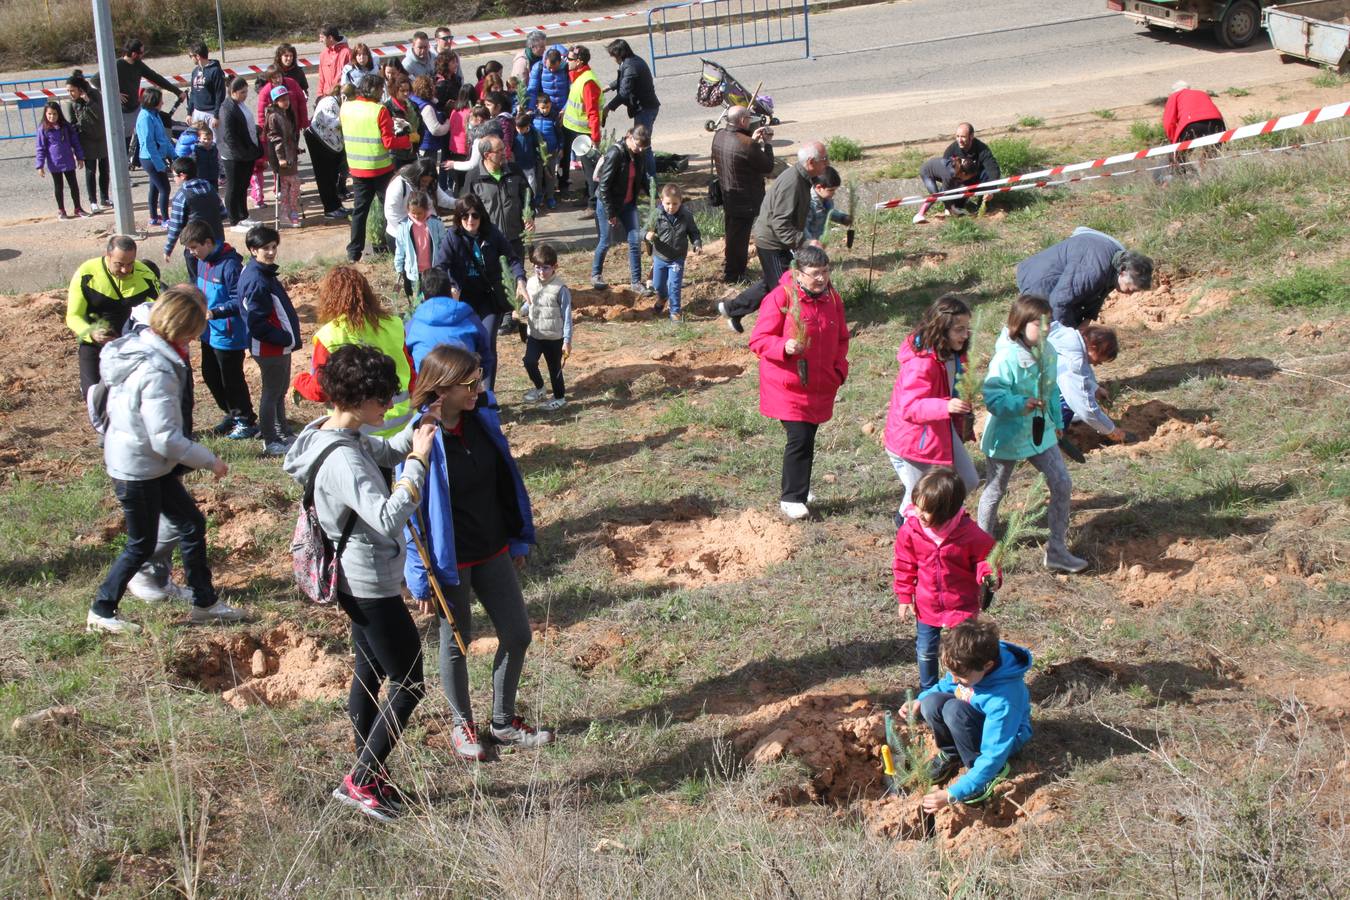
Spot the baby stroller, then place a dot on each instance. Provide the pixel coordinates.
(718, 88)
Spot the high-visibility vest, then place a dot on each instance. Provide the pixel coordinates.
(388, 339)
(366, 154)
(574, 117)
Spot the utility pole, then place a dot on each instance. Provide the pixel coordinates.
(112, 118)
(220, 33)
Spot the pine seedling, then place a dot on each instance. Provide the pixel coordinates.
(1020, 521)
(970, 381)
(794, 310)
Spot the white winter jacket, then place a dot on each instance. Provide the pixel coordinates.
(145, 377)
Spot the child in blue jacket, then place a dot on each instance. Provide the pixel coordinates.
(274, 332)
(442, 318)
(980, 712)
(226, 337)
(822, 211)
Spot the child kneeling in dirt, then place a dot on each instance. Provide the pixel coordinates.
(980, 713)
(940, 562)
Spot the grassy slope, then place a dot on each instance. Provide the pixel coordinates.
(1190, 739)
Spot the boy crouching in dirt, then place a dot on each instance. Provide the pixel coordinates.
(980, 713)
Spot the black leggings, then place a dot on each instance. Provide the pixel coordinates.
(96, 175)
(388, 647)
(237, 174)
(798, 456)
(552, 353)
(59, 189)
(223, 372)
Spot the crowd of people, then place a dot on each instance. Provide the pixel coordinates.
(409, 474)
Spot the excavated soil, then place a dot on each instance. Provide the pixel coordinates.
(661, 370)
(1156, 426)
(1161, 569)
(693, 547)
(276, 667)
(1166, 305)
(836, 734)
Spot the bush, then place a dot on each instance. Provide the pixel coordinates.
(843, 149)
(1030, 122)
(1311, 287)
(1017, 156)
(1149, 134)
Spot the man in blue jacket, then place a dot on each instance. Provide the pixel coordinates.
(1076, 274)
(225, 340)
(980, 712)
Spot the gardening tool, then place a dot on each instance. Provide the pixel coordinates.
(987, 592)
(435, 583)
(888, 767)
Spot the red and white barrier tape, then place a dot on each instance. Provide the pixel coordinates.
(1038, 179)
(311, 63)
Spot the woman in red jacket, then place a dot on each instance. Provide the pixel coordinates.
(801, 340)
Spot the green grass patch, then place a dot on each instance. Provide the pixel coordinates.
(1107, 114)
(1330, 78)
(843, 149)
(1308, 287)
(1017, 156)
(1147, 134)
(1030, 122)
(1236, 92)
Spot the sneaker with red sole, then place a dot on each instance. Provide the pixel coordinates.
(519, 734)
(464, 738)
(394, 795)
(368, 798)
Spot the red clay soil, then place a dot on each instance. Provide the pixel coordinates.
(273, 667)
(699, 549)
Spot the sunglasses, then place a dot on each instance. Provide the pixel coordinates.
(472, 383)
(470, 215)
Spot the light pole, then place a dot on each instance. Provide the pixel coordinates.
(112, 118)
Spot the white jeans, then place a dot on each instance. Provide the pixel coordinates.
(910, 472)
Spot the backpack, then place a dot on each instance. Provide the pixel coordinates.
(315, 562)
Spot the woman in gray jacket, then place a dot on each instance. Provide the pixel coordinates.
(144, 375)
(364, 520)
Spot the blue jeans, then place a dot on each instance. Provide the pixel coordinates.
(628, 220)
(648, 117)
(926, 643)
(667, 280)
(158, 184)
(958, 727)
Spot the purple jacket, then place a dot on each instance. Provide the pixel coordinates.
(58, 148)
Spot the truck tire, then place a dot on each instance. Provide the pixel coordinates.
(1240, 25)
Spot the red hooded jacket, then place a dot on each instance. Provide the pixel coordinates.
(941, 579)
(781, 394)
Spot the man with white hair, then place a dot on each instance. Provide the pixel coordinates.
(779, 230)
(531, 53)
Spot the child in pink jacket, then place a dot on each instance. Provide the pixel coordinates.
(801, 369)
(940, 563)
(927, 423)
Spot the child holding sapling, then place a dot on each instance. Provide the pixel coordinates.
(670, 231)
(822, 211)
(940, 561)
(928, 424)
(1025, 423)
(980, 713)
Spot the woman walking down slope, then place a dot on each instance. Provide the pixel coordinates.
(364, 519)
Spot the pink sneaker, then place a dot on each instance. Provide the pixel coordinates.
(368, 798)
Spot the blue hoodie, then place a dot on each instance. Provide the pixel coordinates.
(1003, 698)
(272, 322)
(445, 320)
(435, 510)
(218, 278)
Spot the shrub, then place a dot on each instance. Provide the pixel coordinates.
(1306, 287)
(843, 149)
(1017, 156)
(1030, 122)
(1150, 134)
(711, 222)
(1104, 113)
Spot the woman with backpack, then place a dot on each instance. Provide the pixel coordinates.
(362, 518)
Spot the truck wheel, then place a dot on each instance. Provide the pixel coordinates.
(1240, 25)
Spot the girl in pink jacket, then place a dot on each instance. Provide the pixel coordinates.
(801, 340)
(940, 562)
(927, 423)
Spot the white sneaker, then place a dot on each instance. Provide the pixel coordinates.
(95, 208)
(810, 496)
(518, 734)
(240, 227)
(554, 403)
(143, 587)
(219, 612)
(110, 624)
(534, 395)
(464, 740)
(794, 510)
(919, 218)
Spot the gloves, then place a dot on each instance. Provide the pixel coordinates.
(401, 126)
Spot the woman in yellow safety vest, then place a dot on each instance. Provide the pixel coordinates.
(350, 313)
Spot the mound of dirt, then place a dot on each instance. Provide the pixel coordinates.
(1165, 305)
(613, 304)
(697, 548)
(663, 370)
(1156, 426)
(995, 823)
(277, 667)
(1154, 570)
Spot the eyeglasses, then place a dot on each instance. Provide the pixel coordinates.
(470, 215)
(473, 382)
(815, 274)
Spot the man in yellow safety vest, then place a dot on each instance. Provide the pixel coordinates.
(368, 136)
(582, 115)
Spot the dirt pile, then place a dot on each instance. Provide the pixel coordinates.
(1155, 570)
(662, 370)
(692, 547)
(995, 823)
(276, 667)
(1167, 304)
(1156, 426)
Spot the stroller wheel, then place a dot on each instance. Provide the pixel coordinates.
(774, 121)
(710, 125)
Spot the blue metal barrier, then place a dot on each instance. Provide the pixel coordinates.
(695, 29)
(19, 118)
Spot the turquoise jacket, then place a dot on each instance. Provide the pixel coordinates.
(1014, 377)
(1003, 698)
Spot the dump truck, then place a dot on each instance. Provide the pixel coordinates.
(1236, 23)
(1317, 31)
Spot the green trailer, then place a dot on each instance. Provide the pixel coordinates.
(1236, 23)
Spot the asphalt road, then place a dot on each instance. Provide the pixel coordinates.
(882, 74)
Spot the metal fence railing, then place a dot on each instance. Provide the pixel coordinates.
(699, 28)
(19, 117)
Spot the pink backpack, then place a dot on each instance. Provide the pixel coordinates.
(316, 563)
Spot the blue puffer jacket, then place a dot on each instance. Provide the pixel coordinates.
(1003, 698)
(554, 85)
(218, 279)
(1075, 275)
(435, 511)
(445, 320)
(431, 141)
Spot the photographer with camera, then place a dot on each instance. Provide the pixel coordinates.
(742, 159)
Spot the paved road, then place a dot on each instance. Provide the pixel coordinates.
(881, 73)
